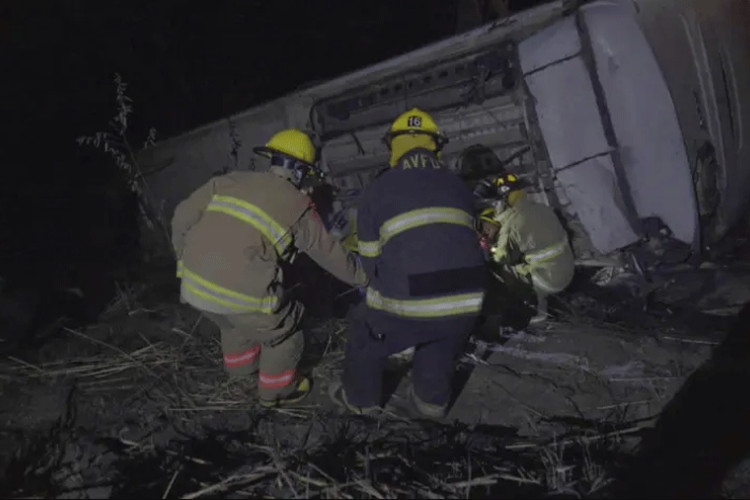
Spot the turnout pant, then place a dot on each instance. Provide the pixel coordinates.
(438, 343)
(267, 344)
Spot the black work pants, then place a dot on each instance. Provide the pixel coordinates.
(438, 344)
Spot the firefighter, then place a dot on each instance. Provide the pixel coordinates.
(426, 273)
(529, 244)
(232, 237)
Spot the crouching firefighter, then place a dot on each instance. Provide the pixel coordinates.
(425, 267)
(231, 237)
(529, 247)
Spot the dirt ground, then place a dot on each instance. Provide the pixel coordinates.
(137, 404)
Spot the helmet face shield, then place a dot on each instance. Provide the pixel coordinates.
(290, 142)
(484, 190)
(300, 169)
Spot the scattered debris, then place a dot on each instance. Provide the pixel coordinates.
(149, 412)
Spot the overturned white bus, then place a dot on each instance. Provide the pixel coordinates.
(628, 116)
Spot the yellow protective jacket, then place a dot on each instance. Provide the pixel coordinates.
(231, 235)
(533, 242)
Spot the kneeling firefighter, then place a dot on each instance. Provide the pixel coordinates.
(425, 267)
(231, 237)
(528, 243)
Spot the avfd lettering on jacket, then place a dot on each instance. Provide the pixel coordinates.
(417, 241)
(419, 160)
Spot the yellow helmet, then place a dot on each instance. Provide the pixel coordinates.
(506, 183)
(293, 150)
(291, 142)
(415, 121)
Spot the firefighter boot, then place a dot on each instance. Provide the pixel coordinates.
(304, 386)
(541, 311)
(338, 396)
(427, 409)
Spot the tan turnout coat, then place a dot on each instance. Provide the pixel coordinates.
(231, 234)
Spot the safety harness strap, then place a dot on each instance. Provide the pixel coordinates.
(548, 253)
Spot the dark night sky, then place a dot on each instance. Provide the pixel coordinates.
(186, 63)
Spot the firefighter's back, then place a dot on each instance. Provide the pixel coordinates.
(424, 216)
(539, 234)
(243, 233)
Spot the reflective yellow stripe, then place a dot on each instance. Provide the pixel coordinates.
(410, 220)
(543, 285)
(255, 216)
(427, 308)
(228, 298)
(369, 248)
(423, 217)
(548, 253)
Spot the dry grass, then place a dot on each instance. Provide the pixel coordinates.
(126, 300)
(304, 452)
(184, 371)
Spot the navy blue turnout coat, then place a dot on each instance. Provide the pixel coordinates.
(417, 241)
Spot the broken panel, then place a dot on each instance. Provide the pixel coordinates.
(559, 41)
(644, 120)
(593, 195)
(567, 112)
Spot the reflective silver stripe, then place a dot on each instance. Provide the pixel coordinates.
(285, 379)
(547, 253)
(423, 217)
(233, 304)
(411, 219)
(240, 359)
(255, 216)
(427, 308)
(229, 299)
(369, 248)
(280, 380)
